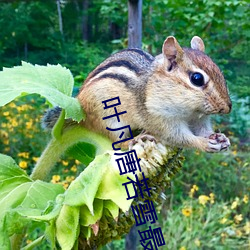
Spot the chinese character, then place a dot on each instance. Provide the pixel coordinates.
(149, 235)
(120, 136)
(146, 213)
(138, 183)
(129, 163)
(111, 106)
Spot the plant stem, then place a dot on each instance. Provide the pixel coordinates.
(57, 147)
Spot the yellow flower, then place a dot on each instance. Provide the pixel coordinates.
(24, 154)
(23, 164)
(223, 220)
(4, 134)
(247, 227)
(245, 199)
(29, 124)
(73, 168)
(65, 163)
(70, 178)
(12, 105)
(187, 211)
(65, 185)
(182, 248)
(6, 141)
(197, 242)
(14, 123)
(238, 218)
(211, 195)
(203, 199)
(6, 149)
(77, 162)
(55, 178)
(224, 164)
(192, 190)
(238, 233)
(6, 113)
(238, 159)
(35, 159)
(235, 203)
(234, 152)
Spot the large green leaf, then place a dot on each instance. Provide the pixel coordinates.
(22, 200)
(83, 152)
(101, 179)
(9, 168)
(53, 82)
(86, 218)
(111, 187)
(112, 208)
(6, 186)
(67, 226)
(83, 189)
(39, 194)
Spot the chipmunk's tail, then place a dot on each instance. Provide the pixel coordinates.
(50, 117)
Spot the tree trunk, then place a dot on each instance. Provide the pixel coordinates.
(85, 20)
(135, 23)
(131, 239)
(59, 16)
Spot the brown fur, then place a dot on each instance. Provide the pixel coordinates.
(158, 95)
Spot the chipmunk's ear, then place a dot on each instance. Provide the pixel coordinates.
(197, 43)
(171, 49)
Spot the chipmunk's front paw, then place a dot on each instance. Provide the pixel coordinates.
(218, 142)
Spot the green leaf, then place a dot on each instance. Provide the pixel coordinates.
(86, 218)
(67, 226)
(53, 82)
(39, 194)
(50, 234)
(58, 127)
(11, 183)
(86, 232)
(14, 198)
(111, 188)
(20, 198)
(83, 189)
(9, 168)
(112, 208)
(4, 240)
(51, 211)
(83, 152)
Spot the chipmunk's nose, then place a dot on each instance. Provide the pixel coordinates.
(227, 108)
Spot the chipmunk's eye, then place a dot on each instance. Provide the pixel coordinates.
(197, 79)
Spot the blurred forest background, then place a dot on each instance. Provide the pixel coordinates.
(208, 204)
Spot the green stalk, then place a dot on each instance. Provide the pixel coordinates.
(58, 146)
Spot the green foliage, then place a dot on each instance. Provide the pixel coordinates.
(25, 200)
(19, 198)
(223, 25)
(204, 223)
(52, 82)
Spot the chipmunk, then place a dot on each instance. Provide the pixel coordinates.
(170, 96)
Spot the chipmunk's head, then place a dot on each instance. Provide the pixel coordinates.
(198, 77)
